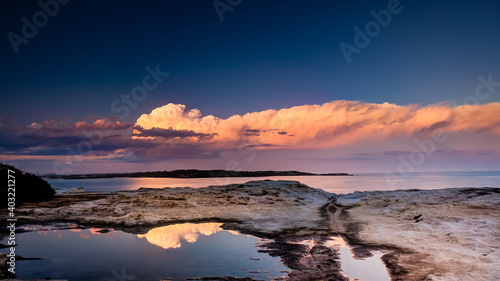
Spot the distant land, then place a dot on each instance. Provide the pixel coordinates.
(192, 174)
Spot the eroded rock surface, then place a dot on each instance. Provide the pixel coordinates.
(445, 234)
(261, 206)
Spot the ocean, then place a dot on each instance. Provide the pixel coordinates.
(334, 184)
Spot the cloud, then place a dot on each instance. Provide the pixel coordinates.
(169, 133)
(172, 132)
(54, 137)
(328, 125)
(102, 124)
(35, 126)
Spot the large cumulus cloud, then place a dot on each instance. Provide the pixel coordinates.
(172, 132)
(328, 125)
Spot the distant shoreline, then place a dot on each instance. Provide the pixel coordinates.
(192, 173)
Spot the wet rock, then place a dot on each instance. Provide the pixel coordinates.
(4, 267)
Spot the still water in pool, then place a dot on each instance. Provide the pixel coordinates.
(174, 251)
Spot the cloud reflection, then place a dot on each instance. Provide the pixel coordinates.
(88, 233)
(169, 237)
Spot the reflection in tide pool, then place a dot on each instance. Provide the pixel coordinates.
(175, 251)
(170, 236)
(371, 268)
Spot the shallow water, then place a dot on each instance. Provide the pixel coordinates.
(335, 184)
(371, 268)
(171, 252)
(175, 251)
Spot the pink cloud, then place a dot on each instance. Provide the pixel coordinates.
(102, 124)
(321, 126)
(172, 132)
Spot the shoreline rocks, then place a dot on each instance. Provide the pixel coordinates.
(442, 234)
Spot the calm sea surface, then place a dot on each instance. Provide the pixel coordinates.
(335, 184)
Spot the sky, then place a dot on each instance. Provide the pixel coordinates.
(318, 86)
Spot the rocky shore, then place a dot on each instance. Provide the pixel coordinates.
(448, 234)
(444, 234)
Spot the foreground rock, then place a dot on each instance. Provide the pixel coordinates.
(4, 267)
(267, 207)
(449, 234)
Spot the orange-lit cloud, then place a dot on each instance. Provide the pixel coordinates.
(169, 237)
(349, 130)
(320, 126)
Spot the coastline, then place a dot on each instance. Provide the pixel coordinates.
(419, 231)
(193, 173)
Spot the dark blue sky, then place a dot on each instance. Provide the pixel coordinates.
(265, 54)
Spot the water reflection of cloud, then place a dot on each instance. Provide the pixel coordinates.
(46, 232)
(236, 233)
(336, 242)
(87, 233)
(99, 231)
(169, 237)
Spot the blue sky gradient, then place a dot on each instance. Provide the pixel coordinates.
(263, 55)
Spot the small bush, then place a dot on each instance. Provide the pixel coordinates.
(28, 187)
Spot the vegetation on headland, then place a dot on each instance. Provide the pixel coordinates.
(192, 173)
(26, 187)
